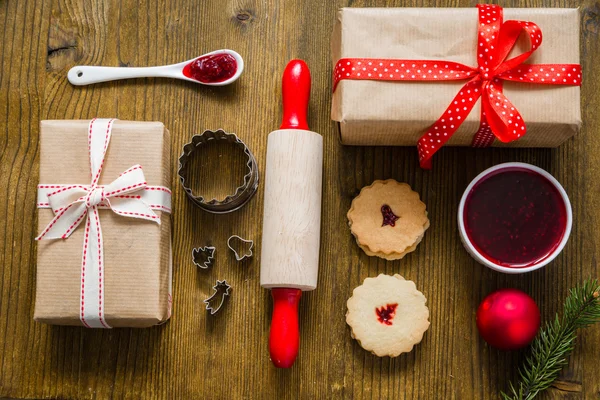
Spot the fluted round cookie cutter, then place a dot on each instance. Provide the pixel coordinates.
(242, 194)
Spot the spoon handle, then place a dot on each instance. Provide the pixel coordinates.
(85, 75)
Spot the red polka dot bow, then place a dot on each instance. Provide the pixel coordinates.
(499, 117)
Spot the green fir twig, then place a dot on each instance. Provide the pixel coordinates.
(553, 344)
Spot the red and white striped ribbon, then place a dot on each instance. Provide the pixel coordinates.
(129, 195)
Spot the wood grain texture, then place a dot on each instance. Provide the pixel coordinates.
(226, 356)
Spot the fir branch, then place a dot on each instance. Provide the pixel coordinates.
(552, 346)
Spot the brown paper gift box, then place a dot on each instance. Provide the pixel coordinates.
(137, 253)
(398, 113)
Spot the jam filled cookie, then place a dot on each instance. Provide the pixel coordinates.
(387, 315)
(388, 219)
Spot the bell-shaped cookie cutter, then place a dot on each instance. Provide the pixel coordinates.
(237, 250)
(242, 194)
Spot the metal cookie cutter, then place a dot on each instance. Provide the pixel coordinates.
(241, 251)
(242, 194)
(217, 299)
(203, 257)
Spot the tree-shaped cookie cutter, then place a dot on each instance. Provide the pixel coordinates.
(241, 253)
(203, 257)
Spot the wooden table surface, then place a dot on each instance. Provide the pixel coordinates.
(226, 356)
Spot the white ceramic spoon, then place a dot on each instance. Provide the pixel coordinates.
(85, 75)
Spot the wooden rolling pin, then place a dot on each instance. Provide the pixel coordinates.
(292, 214)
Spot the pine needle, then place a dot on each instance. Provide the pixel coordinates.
(553, 344)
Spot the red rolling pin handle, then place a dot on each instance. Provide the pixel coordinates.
(284, 338)
(296, 91)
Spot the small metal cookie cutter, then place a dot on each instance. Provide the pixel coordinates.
(242, 194)
(237, 250)
(203, 257)
(214, 303)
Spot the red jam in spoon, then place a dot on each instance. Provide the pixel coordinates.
(515, 217)
(213, 68)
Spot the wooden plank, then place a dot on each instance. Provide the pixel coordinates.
(198, 356)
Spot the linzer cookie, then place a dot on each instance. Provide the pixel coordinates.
(388, 219)
(387, 315)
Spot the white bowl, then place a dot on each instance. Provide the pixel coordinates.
(515, 270)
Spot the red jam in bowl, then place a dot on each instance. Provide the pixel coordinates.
(515, 217)
(214, 68)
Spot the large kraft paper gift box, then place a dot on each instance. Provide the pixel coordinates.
(398, 113)
(136, 262)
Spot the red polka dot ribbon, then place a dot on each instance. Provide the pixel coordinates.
(129, 195)
(499, 117)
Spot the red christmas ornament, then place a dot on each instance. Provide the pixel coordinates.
(508, 319)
